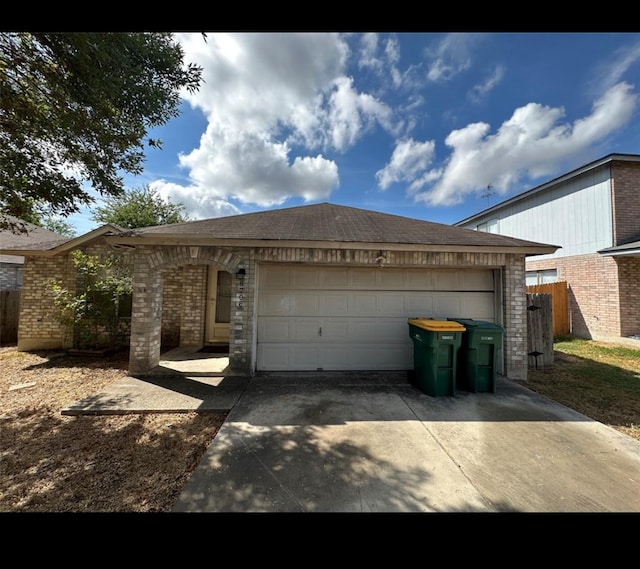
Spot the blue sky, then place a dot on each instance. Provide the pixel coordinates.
(412, 124)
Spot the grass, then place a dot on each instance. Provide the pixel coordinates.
(596, 379)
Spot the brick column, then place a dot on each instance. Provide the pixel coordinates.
(242, 317)
(146, 316)
(515, 319)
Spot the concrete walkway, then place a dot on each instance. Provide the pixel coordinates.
(351, 444)
(372, 442)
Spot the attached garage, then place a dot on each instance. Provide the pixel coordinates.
(355, 318)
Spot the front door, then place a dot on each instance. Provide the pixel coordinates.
(218, 306)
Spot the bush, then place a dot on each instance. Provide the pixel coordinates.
(99, 309)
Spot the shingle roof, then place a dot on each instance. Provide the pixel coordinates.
(35, 238)
(329, 222)
(632, 248)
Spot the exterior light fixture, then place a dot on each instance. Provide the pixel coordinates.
(241, 273)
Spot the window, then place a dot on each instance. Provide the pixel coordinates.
(223, 304)
(490, 226)
(541, 277)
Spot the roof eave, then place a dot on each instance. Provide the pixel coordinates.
(65, 246)
(542, 187)
(182, 240)
(635, 252)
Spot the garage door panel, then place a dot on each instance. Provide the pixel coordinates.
(305, 357)
(276, 303)
(447, 306)
(356, 318)
(446, 279)
(391, 304)
(363, 331)
(277, 329)
(377, 356)
(478, 280)
(305, 304)
(365, 303)
(334, 304)
(391, 279)
(478, 305)
(334, 330)
(364, 278)
(338, 278)
(304, 330)
(304, 278)
(272, 277)
(274, 357)
(419, 304)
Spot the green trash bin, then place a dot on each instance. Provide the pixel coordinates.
(478, 355)
(435, 355)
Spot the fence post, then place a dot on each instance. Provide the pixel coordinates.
(539, 330)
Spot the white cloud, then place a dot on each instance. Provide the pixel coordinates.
(252, 169)
(611, 71)
(480, 91)
(368, 53)
(530, 144)
(198, 203)
(451, 56)
(409, 162)
(273, 102)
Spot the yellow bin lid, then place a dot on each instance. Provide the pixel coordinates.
(437, 325)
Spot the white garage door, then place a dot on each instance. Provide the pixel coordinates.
(330, 318)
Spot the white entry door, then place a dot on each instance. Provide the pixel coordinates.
(352, 318)
(218, 306)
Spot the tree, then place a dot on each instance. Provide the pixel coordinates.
(142, 207)
(58, 225)
(75, 108)
(37, 214)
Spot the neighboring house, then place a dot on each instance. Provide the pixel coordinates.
(318, 287)
(11, 265)
(593, 214)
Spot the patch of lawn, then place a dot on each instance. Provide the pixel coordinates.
(596, 379)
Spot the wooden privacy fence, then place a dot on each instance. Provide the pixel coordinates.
(9, 314)
(539, 330)
(560, 305)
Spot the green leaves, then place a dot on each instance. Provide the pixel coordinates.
(94, 309)
(75, 109)
(142, 207)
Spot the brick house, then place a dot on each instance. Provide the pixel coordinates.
(593, 214)
(318, 287)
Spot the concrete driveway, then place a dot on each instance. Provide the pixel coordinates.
(375, 443)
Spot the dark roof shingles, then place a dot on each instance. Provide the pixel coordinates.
(329, 222)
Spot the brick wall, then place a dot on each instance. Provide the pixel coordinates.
(594, 302)
(625, 187)
(194, 302)
(629, 279)
(171, 308)
(38, 327)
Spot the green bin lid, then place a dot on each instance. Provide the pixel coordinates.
(471, 323)
(436, 325)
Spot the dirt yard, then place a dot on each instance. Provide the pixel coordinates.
(116, 463)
